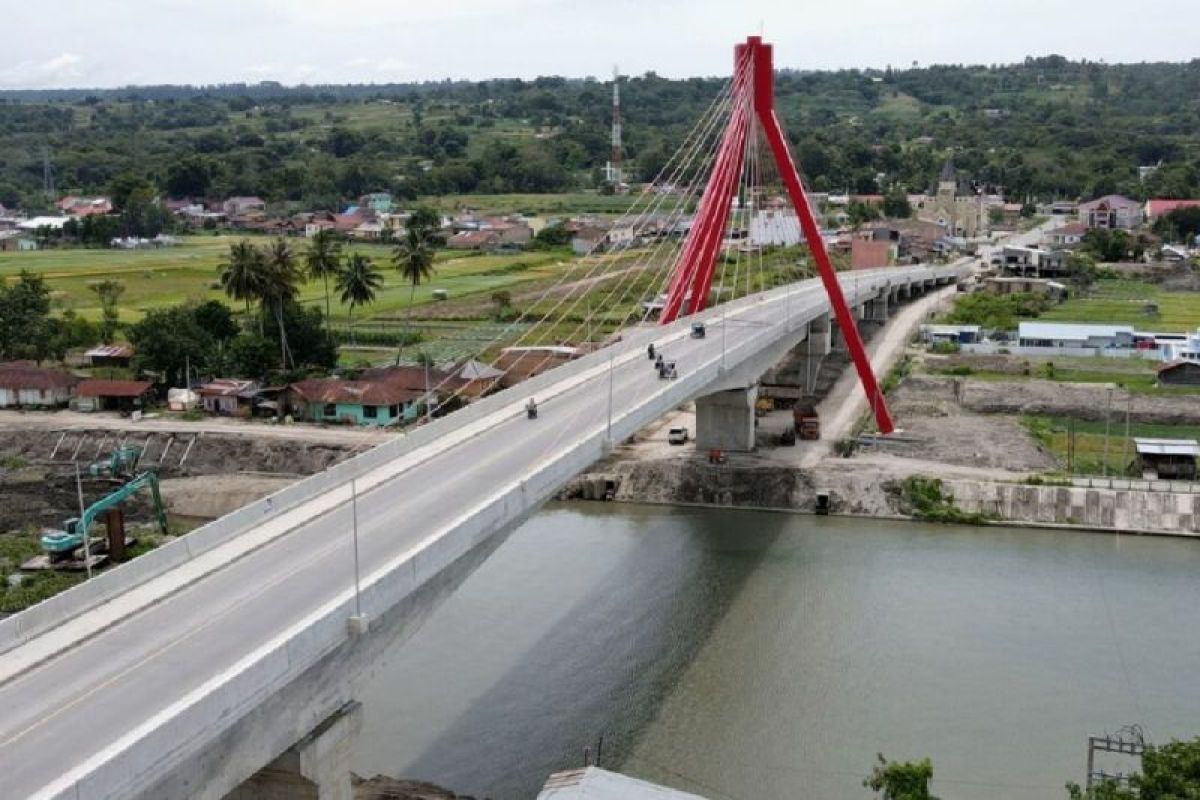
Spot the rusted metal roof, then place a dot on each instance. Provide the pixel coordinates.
(111, 388)
(18, 375)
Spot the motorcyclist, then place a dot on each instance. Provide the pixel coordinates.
(531, 408)
(650, 351)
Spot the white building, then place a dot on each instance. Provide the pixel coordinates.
(1074, 335)
(775, 226)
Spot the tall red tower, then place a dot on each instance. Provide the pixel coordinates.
(754, 104)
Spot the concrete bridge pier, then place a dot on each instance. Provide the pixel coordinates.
(725, 420)
(877, 309)
(315, 768)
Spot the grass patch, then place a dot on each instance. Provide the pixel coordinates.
(1079, 445)
(1121, 301)
(927, 499)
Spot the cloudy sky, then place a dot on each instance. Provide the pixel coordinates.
(103, 43)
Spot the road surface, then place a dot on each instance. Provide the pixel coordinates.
(132, 665)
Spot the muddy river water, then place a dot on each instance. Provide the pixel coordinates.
(749, 654)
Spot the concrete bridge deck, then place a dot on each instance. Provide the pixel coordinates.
(194, 673)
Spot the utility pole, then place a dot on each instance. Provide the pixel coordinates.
(1107, 420)
(611, 357)
(1125, 446)
(87, 539)
(428, 400)
(724, 326)
(357, 623)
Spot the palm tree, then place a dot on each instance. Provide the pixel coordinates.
(280, 287)
(322, 259)
(358, 282)
(243, 274)
(413, 258)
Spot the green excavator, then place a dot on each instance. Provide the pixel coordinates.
(60, 544)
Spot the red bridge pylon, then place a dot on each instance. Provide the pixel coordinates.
(692, 276)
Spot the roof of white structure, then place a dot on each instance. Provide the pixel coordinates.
(1069, 330)
(594, 783)
(1167, 447)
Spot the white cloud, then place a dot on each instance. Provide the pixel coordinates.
(56, 71)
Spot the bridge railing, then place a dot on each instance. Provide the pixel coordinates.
(61, 608)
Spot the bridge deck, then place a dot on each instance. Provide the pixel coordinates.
(71, 713)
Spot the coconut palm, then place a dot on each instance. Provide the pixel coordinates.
(358, 282)
(242, 275)
(280, 286)
(413, 258)
(322, 260)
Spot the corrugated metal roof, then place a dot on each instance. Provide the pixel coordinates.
(1167, 447)
(109, 351)
(594, 783)
(107, 388)
(1069, 330)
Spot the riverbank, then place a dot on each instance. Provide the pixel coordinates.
(967, 436)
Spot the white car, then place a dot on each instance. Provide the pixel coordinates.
(677, 435)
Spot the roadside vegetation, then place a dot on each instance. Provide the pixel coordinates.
(1089, 447)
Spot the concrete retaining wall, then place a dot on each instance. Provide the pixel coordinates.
(1107, 509)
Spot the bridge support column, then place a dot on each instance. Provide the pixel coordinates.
(725, 420)
(877, 309)
(316, 768)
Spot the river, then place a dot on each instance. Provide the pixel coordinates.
(741, 654)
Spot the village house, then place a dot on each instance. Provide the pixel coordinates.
(84, 206)
(588, 239)
(1179, 373)
(377, 202)
(1167, 459)
(474, 240)
(1069, 235)
(229, 397)
(241, 206)
(1158, 208)
(871, 253)
(1111, 212)
(109, 355)
(354, 402)
(521, 363)
(378, 396)
(23, 384)
(1033, 261)
(111, 395)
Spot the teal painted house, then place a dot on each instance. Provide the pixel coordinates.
(360, 402)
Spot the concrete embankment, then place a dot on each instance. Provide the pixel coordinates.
(857, 490)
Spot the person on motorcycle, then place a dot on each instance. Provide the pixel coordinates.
(531, 408)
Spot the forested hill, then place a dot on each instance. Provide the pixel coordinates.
(1045, 128)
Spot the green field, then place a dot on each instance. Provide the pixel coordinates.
(1122, 302)
(165, 277)
(1088, 458)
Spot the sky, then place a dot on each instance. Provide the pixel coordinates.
(107, 43)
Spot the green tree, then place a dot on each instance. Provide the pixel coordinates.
(280, 287)
(251, 356)
(109, 293)
(243, 275)
(896, 780)
(216, 318)
(358, 283)
(167, 339)
(323, 260)
(25, 325)
(413, 256)
(1169, 772)
(1081, 271)
(895, 204)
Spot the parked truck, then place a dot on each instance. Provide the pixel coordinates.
(806, 421)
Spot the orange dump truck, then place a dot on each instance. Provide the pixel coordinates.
(808, 424)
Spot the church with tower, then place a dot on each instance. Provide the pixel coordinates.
(956, 205)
